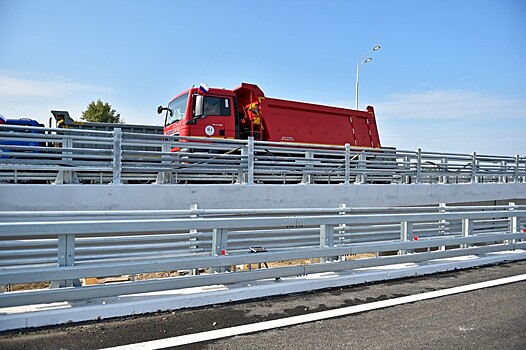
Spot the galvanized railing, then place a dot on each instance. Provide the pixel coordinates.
(64, 247)
(46, 155)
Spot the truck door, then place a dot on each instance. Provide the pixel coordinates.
(218, 120)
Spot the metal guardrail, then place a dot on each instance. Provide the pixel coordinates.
(67, 246)
(48, 155)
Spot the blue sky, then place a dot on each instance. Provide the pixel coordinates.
(450, 75)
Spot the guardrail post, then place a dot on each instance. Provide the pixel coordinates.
(66, 257)
(117, 156)
(308, 178)
(522, 175)
(504, 169)
(327, 240)
(242, 176)
(219, 246)
(360, 173)
(193, 240)
(406, 235)
(514, 222)
(248, 153)
(442, 223)
(467, 231)
(474, 177)
(418, 166)
(66, 176)
(342, 228)
(250, 161)
(164, 177)
(347, 177)
(443, 168)
(406, 179)
(67, 143)
(517, 165)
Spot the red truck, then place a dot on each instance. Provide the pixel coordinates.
(245, 111)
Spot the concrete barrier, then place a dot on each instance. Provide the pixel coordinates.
(136, 197)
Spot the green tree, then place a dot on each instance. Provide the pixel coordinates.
(100, 112)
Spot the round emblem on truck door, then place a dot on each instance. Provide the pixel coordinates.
(209, 130)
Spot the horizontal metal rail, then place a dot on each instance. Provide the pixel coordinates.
(61, 249)
(49, 155)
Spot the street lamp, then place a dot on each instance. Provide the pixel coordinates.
(360, 63)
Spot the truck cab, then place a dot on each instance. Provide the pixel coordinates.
(197, 114)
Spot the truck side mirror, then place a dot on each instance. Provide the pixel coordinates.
(160, 109)
(199, 106)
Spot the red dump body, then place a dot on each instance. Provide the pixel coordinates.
(245, 111)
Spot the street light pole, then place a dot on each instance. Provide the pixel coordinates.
(360, 63)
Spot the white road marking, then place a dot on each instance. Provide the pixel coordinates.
(316, 316)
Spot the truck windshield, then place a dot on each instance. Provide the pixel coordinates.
(177, 109)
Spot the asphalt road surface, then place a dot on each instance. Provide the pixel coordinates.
(483, 319)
